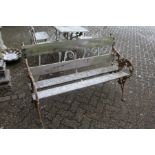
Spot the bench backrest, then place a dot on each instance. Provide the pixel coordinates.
(103, 60)
(39, 49)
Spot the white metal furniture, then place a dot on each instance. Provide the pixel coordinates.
(70, 32)
(38, 37)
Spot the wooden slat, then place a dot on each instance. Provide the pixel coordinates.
(79, 85)
(31, 50)
(104, 60)
(75, 76)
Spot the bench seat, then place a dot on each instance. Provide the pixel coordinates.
(79, 84)
(85, 72)
(75, 76)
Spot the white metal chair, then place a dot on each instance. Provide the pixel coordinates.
(39, 37)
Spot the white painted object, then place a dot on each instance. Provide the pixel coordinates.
(40, 36)
(85, 37)
(10, 56)
(70, 29)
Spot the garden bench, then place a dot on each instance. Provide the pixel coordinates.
(86, 72)
(77, 73)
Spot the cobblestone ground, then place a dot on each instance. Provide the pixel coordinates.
(99, 106)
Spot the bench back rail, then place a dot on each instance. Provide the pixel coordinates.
(104, 61)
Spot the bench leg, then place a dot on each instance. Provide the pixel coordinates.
(122, 81)
(37, 104)
(39, 113)
(34, 90)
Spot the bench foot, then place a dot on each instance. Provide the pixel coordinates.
(122, 81)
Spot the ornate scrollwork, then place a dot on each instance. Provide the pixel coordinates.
(122, 62)
(69, 55)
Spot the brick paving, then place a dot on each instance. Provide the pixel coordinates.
(98, 106)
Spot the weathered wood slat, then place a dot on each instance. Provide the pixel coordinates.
(79, 85)
(75, 76)
(104, 60)
(39, 49)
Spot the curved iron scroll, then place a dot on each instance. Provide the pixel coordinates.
(122, 63)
